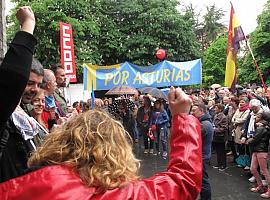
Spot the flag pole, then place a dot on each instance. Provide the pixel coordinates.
(256, 64)
(253, 58)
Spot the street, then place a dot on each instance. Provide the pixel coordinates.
(231, 184)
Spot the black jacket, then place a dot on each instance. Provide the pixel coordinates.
(143, 125)
(260, 141)
(14, 75)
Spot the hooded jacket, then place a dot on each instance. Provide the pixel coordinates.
(181, 181)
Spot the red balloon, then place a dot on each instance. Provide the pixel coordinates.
(161, 54)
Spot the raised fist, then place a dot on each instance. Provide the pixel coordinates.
(179, 102)
(26, 18)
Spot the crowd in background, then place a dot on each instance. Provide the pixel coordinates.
(34, 105)
(233, 121)
(49, 150)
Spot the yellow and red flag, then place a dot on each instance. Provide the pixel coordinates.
(235, 35)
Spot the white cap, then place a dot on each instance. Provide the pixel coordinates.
(254, 103)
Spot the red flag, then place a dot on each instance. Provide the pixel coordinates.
(67, 51)
(235, 35)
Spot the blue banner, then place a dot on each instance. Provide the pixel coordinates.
(163, 74)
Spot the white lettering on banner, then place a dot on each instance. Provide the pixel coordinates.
(67, 56)
(70, 76)
(66, 43)
(65, 33)
(68, 67)
(67, 51)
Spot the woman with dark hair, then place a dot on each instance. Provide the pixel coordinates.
(220, 136)
(38, 103)
(143, 122)
(158, 124)
(76, 105)
(126, 117)
(233, 106)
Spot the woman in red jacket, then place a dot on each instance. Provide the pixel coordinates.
(90, 157)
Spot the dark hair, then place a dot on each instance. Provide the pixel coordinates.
(158, 102)
(147, 100)
(202, 107)
(75, 104)
(37, 67)
(220, 106)
(85, 107)
(235, 100)
(56, 67)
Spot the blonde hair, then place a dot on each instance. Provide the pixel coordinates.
(96, 146)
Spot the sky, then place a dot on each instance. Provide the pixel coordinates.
(246, 10)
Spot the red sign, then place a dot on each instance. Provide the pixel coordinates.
(67, 51)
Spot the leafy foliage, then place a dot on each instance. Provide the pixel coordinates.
(112, 31)
(214, 62)
(260, 44)
(211, 27)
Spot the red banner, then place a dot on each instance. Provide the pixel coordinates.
(67, 51)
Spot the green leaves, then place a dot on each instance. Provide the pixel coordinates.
(107, 32)
(214, 62)
(260, 44)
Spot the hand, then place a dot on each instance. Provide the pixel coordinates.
(243, 140)
(26, 18)
(179, 102)
(249, 140)
(62, 120)
(52, 113)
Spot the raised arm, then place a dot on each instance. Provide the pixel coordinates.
(15, 68)
(183, 178)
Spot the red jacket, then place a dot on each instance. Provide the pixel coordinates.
(182, 180)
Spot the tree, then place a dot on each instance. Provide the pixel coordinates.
(48, 14)
(113, 31)
(214, 62)
(260, 44)
(211, 27)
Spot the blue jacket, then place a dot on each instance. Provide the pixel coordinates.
(161, 120)
(207, 135)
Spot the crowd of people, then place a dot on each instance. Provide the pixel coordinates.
(235, 124)
(51, 150)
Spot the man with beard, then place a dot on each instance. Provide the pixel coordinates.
(59, 94)
(16, 143)
(33, 85)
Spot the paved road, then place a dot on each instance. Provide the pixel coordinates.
(232, 184)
